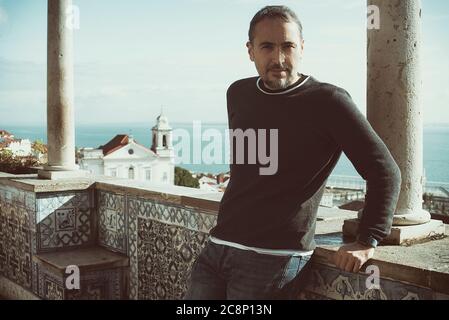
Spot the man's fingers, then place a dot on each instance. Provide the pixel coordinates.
(343, 261)
(337, 258)
(349, 264)
(351, 257)
(357, 266)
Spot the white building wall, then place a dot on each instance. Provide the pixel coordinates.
(122, 167)
(164, 166)
(94, 166)
(120, 161)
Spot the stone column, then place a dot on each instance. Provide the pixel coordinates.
(394, 98)
(394, 110)
(60, 106)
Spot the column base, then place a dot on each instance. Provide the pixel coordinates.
(57, 175)
(74, 167)
(407, 217)
(402, 234)
(410, 217)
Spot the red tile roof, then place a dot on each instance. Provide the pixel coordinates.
(118, 142)
(5, 142)
(4, 133)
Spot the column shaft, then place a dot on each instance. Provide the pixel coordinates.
(60, 101)
(394, 98)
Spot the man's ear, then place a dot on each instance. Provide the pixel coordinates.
(250, 47)
(302, 47)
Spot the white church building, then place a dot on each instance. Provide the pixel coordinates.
(123, 157)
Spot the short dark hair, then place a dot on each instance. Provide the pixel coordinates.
(272, 12)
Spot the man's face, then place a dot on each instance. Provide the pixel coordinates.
(276, 50)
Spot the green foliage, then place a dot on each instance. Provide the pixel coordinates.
(39, 146)
(184, 178)
(16, 165)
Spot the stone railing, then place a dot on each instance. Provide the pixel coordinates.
(436, 205)
(134, 240)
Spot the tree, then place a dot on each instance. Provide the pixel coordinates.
(40, 151)
(16, 165)
(77, 155)
(39, 146)
(184, 178)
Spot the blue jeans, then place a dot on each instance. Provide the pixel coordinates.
(222, 272)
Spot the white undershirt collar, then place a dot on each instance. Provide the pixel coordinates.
(281, 92)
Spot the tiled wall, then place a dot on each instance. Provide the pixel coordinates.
(65, 221)
(326, 282)
(94, 285)
(32, 223)
(17, 214)
(161, 239)
(113, 222)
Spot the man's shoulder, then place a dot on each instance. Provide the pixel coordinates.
(243, 84)
(321, 90)
(326, 89)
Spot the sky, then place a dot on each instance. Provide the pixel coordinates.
(132, 57)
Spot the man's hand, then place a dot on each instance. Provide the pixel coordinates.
(351, 257)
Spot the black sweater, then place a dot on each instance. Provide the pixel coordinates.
(315, 122)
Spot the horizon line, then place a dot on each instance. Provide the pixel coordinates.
(152, 123)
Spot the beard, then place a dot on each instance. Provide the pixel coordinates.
(275, 83)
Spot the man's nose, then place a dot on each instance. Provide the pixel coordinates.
(278, 56)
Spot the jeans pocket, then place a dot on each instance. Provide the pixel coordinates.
(303, 263)
(290, 271)
(293, 268)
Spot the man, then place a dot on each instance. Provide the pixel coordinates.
(266, 223)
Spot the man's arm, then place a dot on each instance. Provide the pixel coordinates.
(373, 161)
(229, 102)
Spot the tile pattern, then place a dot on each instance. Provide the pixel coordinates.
(113, 222)
(169, 238)
(94, 285)
(174, 215)
(161, 240)
(64, 221)
(334, 284)
(99, 285)
(131, 212)
(16, 249)
(30, 224)
(165, 257)
(50, 286)
(35, 278)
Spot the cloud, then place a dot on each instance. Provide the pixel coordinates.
(3, 16)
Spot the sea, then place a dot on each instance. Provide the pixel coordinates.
(436, 145)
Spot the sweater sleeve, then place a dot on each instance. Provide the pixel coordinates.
(351, 131)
